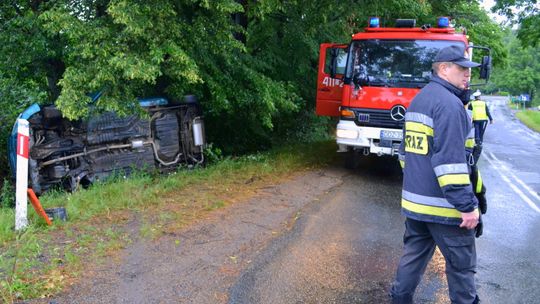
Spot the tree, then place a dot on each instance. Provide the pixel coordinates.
(522, 74)
(527, 14)
(481, 29)
(129, 49)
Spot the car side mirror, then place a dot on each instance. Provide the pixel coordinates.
(485, 67)
(361, 79)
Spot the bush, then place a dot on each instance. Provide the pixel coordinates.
(7, 120)
(7, 194)
(15, 97)
(212, 154)
(535, 102)
(304, 126)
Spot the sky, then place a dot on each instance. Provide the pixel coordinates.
(487, 5)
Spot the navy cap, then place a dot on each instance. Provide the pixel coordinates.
(455, 54)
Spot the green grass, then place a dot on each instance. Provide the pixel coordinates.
(530, 118)
(38, 261)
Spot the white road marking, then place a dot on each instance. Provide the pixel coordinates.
(500, 166)
(531, 191)
(532, 133)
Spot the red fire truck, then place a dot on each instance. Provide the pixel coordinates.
(370, 82)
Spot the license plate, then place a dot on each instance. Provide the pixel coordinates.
(391, 135)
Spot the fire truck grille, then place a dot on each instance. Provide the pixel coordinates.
(376, 118)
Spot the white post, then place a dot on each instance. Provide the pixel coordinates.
(21, 220)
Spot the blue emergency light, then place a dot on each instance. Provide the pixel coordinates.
(373, 21)
(443, 22)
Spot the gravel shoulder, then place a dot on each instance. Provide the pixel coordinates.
(201, 262)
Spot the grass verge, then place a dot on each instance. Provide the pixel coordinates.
(42, 260)
(530, 118)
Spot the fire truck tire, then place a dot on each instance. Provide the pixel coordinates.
(351, 159)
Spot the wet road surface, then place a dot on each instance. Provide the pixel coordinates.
(345, 247)
(509, 252)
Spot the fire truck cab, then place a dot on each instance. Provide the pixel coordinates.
(370, 82)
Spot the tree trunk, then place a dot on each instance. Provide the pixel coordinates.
(55, 70)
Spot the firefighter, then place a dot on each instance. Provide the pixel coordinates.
(438, 201)
(480, 117)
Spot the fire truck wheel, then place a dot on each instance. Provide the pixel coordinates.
(351, 159)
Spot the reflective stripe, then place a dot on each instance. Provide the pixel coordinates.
(426, 200)
(402, 164)
(418, 127)
(431, 210)
(479, 183)
(451, 169)
(469, 142)
(454, 179)
(419, 117)
(479, 110)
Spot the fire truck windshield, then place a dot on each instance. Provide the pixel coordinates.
(393, 63)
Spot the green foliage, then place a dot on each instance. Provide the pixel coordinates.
(536, 101)
(17, 263)
(530, 118)
(481, 30)
(212, 154)
(7, 217)
(522, 74)
(7, 194)
(252, 64)
(305, 126)
(526, 13)
(26, 72)
(529, 32)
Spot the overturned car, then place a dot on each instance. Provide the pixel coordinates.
(70, 154)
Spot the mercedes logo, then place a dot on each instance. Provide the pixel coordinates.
(398, 113)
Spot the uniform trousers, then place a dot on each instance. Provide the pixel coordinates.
(458, 248)
(479, 129)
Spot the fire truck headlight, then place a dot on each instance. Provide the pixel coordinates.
(348, 134)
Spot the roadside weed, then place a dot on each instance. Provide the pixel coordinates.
(530, 118)
(105, 217)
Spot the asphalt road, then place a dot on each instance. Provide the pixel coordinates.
(342, 250)
(509, 253)
(345, 249)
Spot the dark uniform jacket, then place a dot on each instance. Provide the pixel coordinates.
(436, 182)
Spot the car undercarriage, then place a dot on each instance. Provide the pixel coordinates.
(70, 154)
